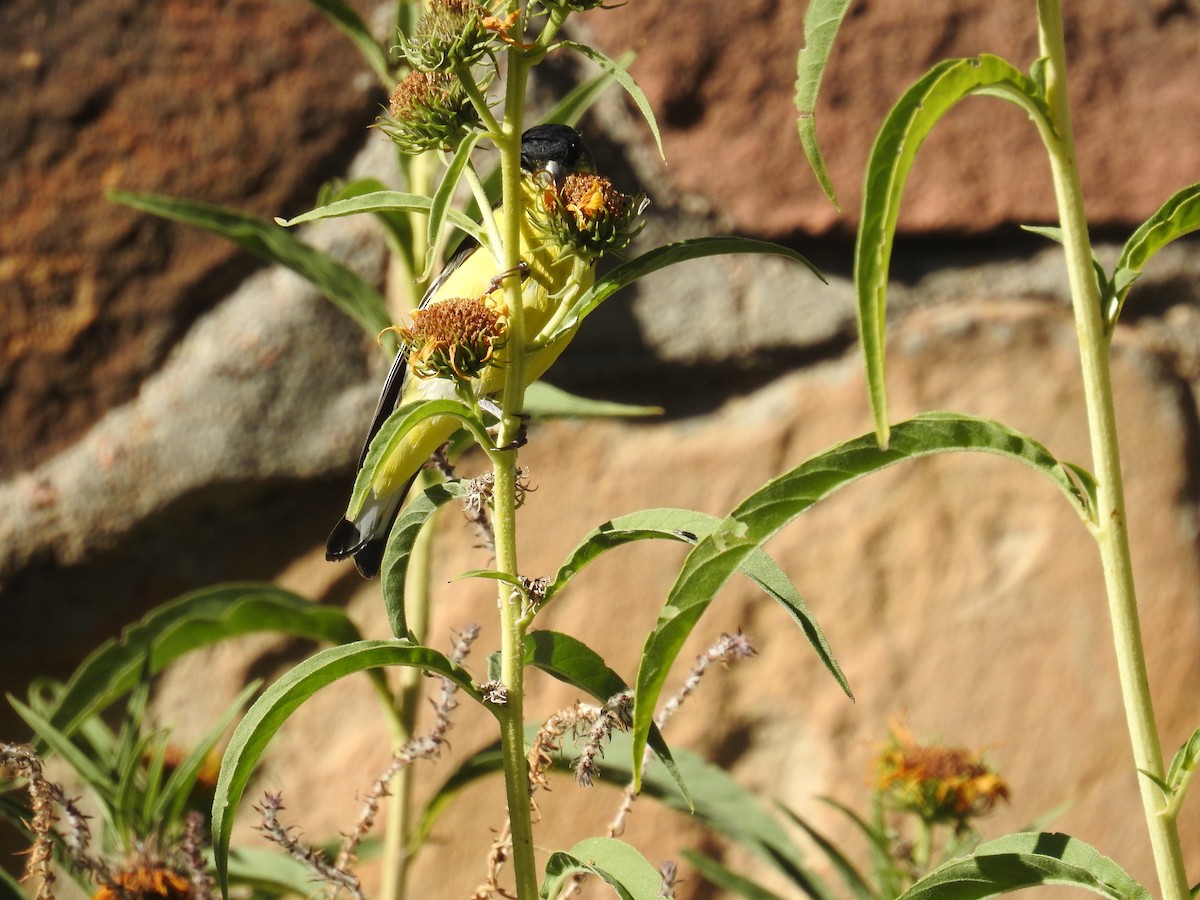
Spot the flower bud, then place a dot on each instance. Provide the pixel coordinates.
(452, 31)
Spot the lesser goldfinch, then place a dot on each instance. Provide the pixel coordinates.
(549, 154)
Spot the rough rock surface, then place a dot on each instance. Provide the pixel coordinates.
(721, 77)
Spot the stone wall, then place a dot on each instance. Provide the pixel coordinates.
(174, 416)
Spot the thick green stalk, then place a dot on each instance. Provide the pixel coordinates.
(1111, 528)
(512, 626)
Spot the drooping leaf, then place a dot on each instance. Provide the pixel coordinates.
(1027, 860)
(620, 864)
(689, 526)
(892, 156)
(195, 620)
(821, 22)
(285, 696)
(1180, 215)
(659, 258)
(571, 108)
(715, 558)
(625, 80)
(403, 537)
(348, 291)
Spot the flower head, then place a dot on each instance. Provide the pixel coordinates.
(429, 110)
(144, 878)
(454, 338)
(939, 784)
(451, 31)
(588, 214)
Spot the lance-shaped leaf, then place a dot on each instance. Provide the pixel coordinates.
(285, 696)
(892, 156)
(1181, 772)
(384, 201)
(571, 108)
(616, 862)
(659, 258)
(545, 401)
(715, 558)
(1027, 860)
(348, 291)
(625, 80)
(395, 430)
(440, 207)
(690, 526)
(821, 22)
(398, 552)
(731, 882)
(1180, 215)
(195, 620)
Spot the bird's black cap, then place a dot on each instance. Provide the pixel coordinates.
(557, 149)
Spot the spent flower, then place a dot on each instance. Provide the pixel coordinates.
(588, 214)
(451, 32)
(455, 339)
(428, 111)
(938, 784)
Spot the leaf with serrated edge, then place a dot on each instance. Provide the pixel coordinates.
(715, 558)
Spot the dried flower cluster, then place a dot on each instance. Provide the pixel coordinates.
(938, 784)
(429, 111)
(455, 338)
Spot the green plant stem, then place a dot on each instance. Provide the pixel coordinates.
(1111, 529)
(398, 834)
(504, 461)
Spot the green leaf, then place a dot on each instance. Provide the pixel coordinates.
(545, 401)
(81, 762)
(570, 109)
(1182, 770)
(620, 864)
(575, 663)
(395, 431)
(1027, 860)
(821, 22)
(385, 201)
(625, 80)
(10, 888)
(892, 156)
(1180, 215)
(728, 880)
(395, 222)
(714, 559)
(401, 540)
(659, 258)
(345, 17)
(439, 209)
(348, 291)
(182, 782)
(689, 526)
(285, 696)
(1055, 234)
(854, 880)
(195, 620)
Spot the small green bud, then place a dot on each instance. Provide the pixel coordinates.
(429, 110)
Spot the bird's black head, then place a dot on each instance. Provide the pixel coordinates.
(557, 149)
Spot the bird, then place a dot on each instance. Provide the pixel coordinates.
(550, 153)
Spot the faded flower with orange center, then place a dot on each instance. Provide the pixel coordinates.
(588, 214)
(454, 338)
(939, 784)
